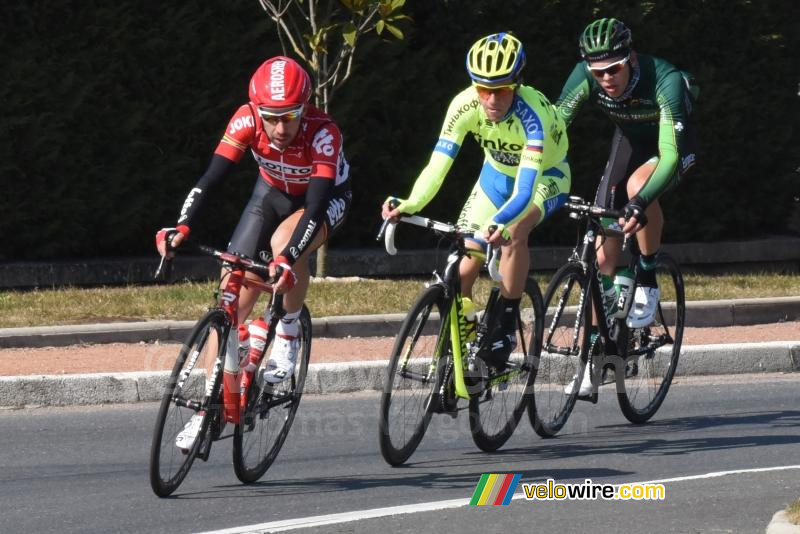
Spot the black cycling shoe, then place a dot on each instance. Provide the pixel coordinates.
(501, 344)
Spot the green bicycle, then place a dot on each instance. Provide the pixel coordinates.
(436, 363)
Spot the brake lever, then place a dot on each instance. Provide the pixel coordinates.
(164, 270)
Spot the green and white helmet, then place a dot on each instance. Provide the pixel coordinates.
(604, 38)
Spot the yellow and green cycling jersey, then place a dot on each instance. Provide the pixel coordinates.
(525, 159)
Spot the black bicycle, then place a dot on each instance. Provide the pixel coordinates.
(640, 361)
(435, 361)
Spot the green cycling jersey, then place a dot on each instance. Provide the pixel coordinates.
(653, 110)
(527, 142)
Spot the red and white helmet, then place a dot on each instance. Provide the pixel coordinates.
(280, 82)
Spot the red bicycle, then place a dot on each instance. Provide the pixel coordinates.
(211, 379)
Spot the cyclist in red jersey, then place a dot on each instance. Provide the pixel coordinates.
(301, 196)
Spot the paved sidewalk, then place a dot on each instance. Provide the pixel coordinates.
(80, 389)
(701, 313)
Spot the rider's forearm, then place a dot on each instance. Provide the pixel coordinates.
(521, 200)
(318, 196)
(216, 170)
(428, 183)
(666, 171)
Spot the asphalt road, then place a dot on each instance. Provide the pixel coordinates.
(84, 469)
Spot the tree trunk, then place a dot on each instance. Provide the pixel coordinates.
(322, 260)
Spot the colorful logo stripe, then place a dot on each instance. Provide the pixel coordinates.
(495, 489)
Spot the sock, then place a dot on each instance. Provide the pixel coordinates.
(510, 307)
(258, 338)
(288, 326)
(647, 271)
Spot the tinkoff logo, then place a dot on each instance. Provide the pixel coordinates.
(495, 489)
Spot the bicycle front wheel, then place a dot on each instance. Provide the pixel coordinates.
(495, 411)
(653, 351)
(183, 397)
(411, 380)
(271, 408)
(565, 347)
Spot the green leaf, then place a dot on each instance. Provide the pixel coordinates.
(379, 27)
(349, 32)
(395, 31)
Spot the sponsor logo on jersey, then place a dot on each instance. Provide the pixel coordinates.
(687, 161)
(281, 170)
(530, 121)
(336, 211)
(188, 204)
(277, 88)
(448, 129)
(448, 148)
(295, 252)
(499, 144)
(323, 142)
(506, 158)
(239, 123)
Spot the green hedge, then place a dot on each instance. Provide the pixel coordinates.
(110, 113)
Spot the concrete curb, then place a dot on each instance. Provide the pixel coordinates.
(704, 313)
(84, 389)
(780, 525)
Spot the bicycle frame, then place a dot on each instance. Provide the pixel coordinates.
(236, 377)
(450, 280)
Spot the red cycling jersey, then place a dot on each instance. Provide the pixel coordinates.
(315, 151)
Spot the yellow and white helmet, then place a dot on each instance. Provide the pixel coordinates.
(496, 59)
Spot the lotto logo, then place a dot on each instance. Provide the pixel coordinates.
(323, 142)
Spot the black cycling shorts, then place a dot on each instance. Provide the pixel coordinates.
(269, 206)
(626, 157)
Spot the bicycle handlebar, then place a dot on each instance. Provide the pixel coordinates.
(388, 229)
(581, 207)
(248, 264)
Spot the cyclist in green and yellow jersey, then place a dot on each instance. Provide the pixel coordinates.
(525, 175)
(650, 101)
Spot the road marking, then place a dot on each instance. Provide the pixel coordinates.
(346, 517)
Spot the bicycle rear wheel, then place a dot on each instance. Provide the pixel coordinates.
(410, 386)
(184, 396)
(565, 346)
(271, 408)
(495, 411)
(653, 351)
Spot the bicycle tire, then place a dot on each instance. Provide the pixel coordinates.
(264, 426)
(401, 431)
(496, 410)
(167, 469)
(641, 393)
(564, 353)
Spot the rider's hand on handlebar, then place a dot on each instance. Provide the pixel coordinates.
(176, 236)
(391, 209)
(634, 218)
(497, 235)
(280, 269)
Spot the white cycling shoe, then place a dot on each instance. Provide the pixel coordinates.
(186, 437)
(585, 388)
(643, 309)
(281, 359)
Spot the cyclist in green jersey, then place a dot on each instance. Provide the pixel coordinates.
(650, 101)
(525, 176)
